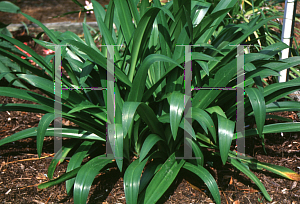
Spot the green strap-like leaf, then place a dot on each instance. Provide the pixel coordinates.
(23, 63)
(278, 90)
(49, 33)
(6, 6)
(243, 169)
(25, 107)
(88, 38)
(36, 81)
(189, 129)
(197, 151)
(41, 130)
(138, 87)
(142, 32)
(47, 85)
(60, 157)
(132, 178)
(35, 57)
(222, 5)
(208, 179)
(259, 108)
(279, 118)
(129, 109)
(282, 106)
(118, 146)
(9, 76)
(162, 180)
(100, 59)
(216, 109)
(177, 103)
(200, 9)
(204, 66)
(134, 11)
(259, 72)
(225, 130)
(149, 142)
(274, 128)
(107, 35)
(149, 172)
(169, 72)
(125, 17)
(257, 165)
(86, 176)
(66, 132)
(60, 179)
(83, 106)
(204, 98)
(280, 170)
(76, 161)
(205, 121)
(283, 64)
(145, 112)
(109, 17)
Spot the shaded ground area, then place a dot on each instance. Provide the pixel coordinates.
(21, 171)
(44, 11)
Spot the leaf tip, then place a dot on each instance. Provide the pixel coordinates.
(293, 176)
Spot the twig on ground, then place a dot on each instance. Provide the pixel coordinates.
(48, 199)
(30, 186)
(50, 155)
(225, 197)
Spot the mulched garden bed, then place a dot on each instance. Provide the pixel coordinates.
(21, 170)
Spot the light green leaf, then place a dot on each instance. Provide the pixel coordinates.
(177, 103)
(129, 109)
(225, 130)
(259, 108)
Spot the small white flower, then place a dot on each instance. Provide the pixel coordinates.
(89, 6)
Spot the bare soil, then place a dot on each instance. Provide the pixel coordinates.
(21, 170)
(46, 11)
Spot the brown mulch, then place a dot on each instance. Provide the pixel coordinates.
(21, 170)
(45, 11)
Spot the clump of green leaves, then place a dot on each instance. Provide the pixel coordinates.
(150, 95)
